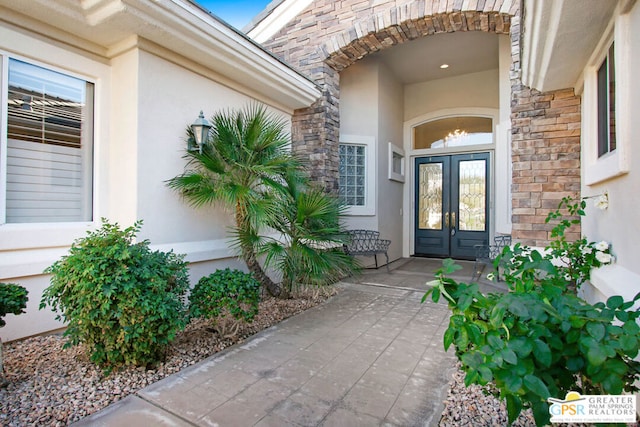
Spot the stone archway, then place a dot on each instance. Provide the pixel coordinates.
(545, 127)
(322, 53)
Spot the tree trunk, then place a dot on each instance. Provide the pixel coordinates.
(249, 257)
(254, 267)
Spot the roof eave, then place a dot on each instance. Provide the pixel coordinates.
(558, 38)
(180, 26)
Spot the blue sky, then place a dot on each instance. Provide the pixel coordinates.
(236, 12)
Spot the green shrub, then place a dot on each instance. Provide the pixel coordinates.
(226, 293)
(120, 298)
(540, 339)
(13, 300)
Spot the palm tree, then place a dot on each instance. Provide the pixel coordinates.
(240, 165)
(310, 249)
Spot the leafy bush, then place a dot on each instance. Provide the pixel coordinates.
(122, 299)
(540, 339)
(226, 293)
(13, 300)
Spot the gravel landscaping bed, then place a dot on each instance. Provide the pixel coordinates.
(473, 406)
(52, 386)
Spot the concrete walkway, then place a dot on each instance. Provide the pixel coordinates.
(372, 355)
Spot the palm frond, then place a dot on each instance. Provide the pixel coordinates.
(196, 188)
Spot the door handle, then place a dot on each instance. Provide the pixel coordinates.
(446, 220)
(453, 223)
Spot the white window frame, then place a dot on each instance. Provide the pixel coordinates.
(596, 168)
(369, 142)
(4, 79)
(395, 151)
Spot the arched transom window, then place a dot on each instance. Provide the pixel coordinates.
(453, 132)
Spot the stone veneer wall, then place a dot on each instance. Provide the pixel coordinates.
(545, 148)
(333, 34)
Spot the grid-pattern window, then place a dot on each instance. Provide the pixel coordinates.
(48, 146)
(353, 174)
(607, 104)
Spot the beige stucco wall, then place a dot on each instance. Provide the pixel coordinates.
(173, 96)
(470, 90)
(359, 98)
(390, 200)
(120, 205)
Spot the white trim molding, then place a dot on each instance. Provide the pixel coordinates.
(33, 261)
(274, 18)
(557, 38)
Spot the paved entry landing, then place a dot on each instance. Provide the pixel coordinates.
(413, 273)
(372, 355)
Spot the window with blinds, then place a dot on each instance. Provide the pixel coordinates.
(48, 146)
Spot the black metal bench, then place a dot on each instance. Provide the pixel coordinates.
(367, 243)
(486, 255)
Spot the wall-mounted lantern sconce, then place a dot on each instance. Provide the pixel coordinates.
(200, 130)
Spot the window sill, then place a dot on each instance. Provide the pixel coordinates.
(39, 236)
(360, 211)
(608, 281)
(604, 168)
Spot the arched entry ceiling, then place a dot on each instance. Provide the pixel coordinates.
(419, 60)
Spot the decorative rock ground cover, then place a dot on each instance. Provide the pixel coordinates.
(473, 406)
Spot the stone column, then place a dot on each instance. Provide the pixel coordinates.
(315, 133)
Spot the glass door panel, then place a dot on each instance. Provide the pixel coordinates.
(432, 184)
(430, 196)
(472, 187)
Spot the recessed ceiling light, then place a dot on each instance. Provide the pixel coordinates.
(443, 66)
